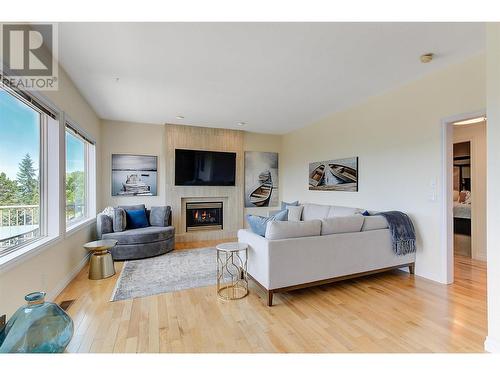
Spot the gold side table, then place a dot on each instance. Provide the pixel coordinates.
(232, 278)
(101, 261)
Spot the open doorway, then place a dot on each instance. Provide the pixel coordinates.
(462, 197)
(464, 191)
(469, 188)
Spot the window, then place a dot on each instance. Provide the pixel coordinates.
(80, 172)
(32, 187)
(75, 178)
(20, 172)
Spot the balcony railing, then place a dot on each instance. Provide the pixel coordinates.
(21, 223)
(19, 215)
(74, 212)
(18, 224)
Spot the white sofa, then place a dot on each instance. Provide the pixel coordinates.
(296, 255)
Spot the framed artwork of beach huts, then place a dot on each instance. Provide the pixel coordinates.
(334, 175)
(134, 175)
(261, 179)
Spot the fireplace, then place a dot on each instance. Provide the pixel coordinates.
(203, 216)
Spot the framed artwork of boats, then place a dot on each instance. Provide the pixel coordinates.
(133, 175)
(261, 179)
(334, 175)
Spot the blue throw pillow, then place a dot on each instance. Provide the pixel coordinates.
(136, 219)
(284, 204)
(258, 223)
(366, 213)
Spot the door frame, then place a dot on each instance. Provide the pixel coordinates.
(447, 190)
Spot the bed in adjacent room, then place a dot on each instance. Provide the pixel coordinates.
(462, 212)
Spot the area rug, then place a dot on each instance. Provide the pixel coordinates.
(166, 273)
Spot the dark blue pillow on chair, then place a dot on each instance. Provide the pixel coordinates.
(136, 219)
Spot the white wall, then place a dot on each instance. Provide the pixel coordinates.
(131, 138)
(150, 139)
(492, 343)
(476, 134)
(398, 139)
(51, 269)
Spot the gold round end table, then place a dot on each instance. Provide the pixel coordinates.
(101, 261)
(232, 278)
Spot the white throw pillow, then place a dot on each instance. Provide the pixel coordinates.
(374, 223)
(342, 224)
(279, 230)
(109, 211)
(468, 198)
(294, 212)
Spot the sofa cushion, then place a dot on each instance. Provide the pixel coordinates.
(136, 219)
(160, 216)
(258, 223)
(141, 235)
(336, 211)
(341, 224)
(119, 220)
(284, 204)
(279, 230)
(374, 222)
(104, 224)
(294, 213)
(133, 207)
(313, 211)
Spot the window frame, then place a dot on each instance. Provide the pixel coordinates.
(42, 169)
(90, 167)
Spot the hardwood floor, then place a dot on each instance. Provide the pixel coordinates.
(389, 312)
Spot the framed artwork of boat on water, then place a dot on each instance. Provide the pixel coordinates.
(261, 179)
(133, 175)
(334, 175)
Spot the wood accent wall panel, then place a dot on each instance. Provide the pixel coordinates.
(209, 139)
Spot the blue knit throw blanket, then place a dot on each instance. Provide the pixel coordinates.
(402, 232)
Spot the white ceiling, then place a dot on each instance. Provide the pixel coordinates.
(276, 77)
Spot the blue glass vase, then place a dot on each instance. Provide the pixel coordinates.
(37, 327)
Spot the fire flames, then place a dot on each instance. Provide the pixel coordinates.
(203, 216)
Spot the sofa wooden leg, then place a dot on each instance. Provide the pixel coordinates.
(269, 298)
(412, 268)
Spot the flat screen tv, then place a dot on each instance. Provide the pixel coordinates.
(208, 168)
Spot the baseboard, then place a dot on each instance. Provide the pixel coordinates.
(52, 295)
(491, 345)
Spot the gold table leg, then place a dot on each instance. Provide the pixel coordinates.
(230, 264)
(101, 265)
